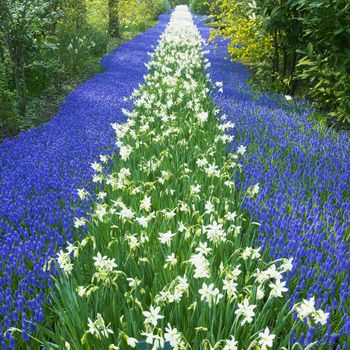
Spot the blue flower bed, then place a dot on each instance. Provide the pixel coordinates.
(40, 171)
(304, 203)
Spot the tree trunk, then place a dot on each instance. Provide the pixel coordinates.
(20, 83)
(113, 25)
(276, 58)
(292, 71)
(285, 61)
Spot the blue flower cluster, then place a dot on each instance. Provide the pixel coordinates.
(40, 171)
(304, 203)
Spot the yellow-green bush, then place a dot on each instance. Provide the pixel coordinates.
(248, 44)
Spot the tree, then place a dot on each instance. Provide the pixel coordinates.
(113, 23)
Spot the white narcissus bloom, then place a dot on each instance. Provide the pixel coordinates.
(64, 262)
(166, 237)
(231, 288)
(152, 316)
(97, 167)
(231, 344)
(247, 252)
(143, 221)
(103, 158)
(241, 150)
(132, 241)
(256, 253)
(103, 263)
(184, 207)
(126, 213)
(154, 339)
(170, 260)
(262, 276)
(253, 191)
(274, 273)
(173, 336)
(169, 214)
(215, 232)
(260, 292)
(320, 317)
(246, 310)
(235, 272)
(182, 283)
(131, 342)
(231, 216)
(209, 207)
(101, 195)
(203, 249)
(201, 162)
(212, 170)
(202, 266)
(306, 308)
(203, 117)
(146, 203)
(79, 222)
(277, 288)
(100, 211)
(133, 282)
(82, 193)
(98, 327)
(195, 189)
(182, 227)
(210, 294)
(287, 264)
(125, 152)
(266, 339)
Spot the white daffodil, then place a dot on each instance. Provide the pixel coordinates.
(202, 117)
(277, 288)
(231, 344)
(306, 308)
(170, 260)
(152, 316)
(231, 288)
(266, 339)
(166, 237)
(287, 264)
(209, 207)
(173, 336)
(146, 204)
(210, 294)
(98, 327)
(246, 310)
(79, 222)
(215, 232)
(64, 262)
(320, 316)
(82, 193)
(203, 249)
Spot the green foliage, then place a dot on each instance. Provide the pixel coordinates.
(174, 3)
(8, 107)
(200, 7)
(46, 45)
(308, 51)
(79, 50)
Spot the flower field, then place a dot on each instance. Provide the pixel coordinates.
(175, 209)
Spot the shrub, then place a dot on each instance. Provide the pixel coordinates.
(200, 7)
(78, 49)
